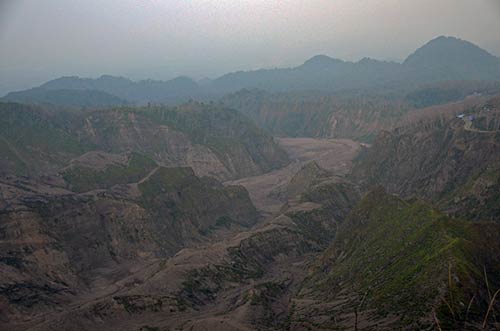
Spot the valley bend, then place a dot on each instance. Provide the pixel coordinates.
(237, 165)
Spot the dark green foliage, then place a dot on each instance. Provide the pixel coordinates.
(28, 294)
(149, 328)
(168, 180)
(178, 195)
(138, 304)
(82, 179)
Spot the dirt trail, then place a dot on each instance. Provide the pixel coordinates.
(151, 173)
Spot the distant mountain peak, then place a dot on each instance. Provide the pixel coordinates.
(320, 60)
(445, 38)
(445, 49)
(443, 58)
(450, 41)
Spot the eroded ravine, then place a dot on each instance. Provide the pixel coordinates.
(195, 290)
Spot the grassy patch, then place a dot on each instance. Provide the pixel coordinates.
(401, 255)
(82, 179)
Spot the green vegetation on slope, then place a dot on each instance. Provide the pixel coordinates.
(168, 179)
(31, 138)
(408, 259)
(82, 179)
(177, 194)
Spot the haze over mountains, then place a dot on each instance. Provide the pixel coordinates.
(441, 59)
(334, 195)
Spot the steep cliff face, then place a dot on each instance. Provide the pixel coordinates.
(313, 115)
(213, 141)
(56, 243)
(448, 160)
(192, 134)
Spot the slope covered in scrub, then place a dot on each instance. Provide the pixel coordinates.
(401, 262)
(83, 178)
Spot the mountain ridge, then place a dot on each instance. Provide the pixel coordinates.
(441, 59)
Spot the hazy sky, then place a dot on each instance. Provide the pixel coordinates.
(44, 39)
